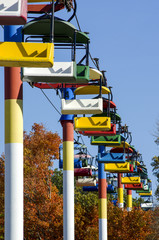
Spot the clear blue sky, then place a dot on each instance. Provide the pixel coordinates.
(125, 37)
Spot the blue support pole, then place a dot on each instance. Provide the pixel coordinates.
(68, 171)
(102, 198)
(13, 145)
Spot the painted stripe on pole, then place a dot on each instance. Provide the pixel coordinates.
(14, 193)
(120, 205)
(68, 201)
(102, 188)
(129, 200)
(101, 172)
(120, 197)
(120, 191)
(102, 208)
(129, 209)
(129, 192)
(102, 229)
(13, 121)
(120, 185)
(68, 155)
(68, 131)
(13, 90)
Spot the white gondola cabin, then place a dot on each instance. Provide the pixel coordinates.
(82, 106)
(13, 12)
(86, 182)
(60, 72)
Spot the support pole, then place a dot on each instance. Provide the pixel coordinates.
(102, 189)
(120, 191)
(68, 172)
(13, 146)
(129, 200)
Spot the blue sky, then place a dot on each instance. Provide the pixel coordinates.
(125, 37)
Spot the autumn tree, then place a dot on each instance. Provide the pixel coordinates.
(57, 180)
(86, 209)
(123, 225)
(43, 217)
(154, 225)
(43, 205)
(155, 169)
(86, 214)
(155, 162)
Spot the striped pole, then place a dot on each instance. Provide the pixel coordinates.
(129, 200)
(120, 191)
(68, 172)
(13, 146)
(102, 189)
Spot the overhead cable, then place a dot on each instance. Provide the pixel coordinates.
(50, 101)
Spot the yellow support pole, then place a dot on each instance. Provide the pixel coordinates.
(129, 200)
(120, 192)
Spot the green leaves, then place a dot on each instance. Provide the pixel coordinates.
(155, 165)
(57, 180)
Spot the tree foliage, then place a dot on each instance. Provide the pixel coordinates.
(154, 225)
(155, 165)
(57, 180)
(86, 214)
(123, 225)
(43, 203)
(43, 215)
(86, 209)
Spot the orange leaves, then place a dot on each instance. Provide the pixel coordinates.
(86, 215)
(154, 225)
(86, 222)
(139, 224)
(123, 225)
(43, 142)
(115, 221)
(43, 206)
